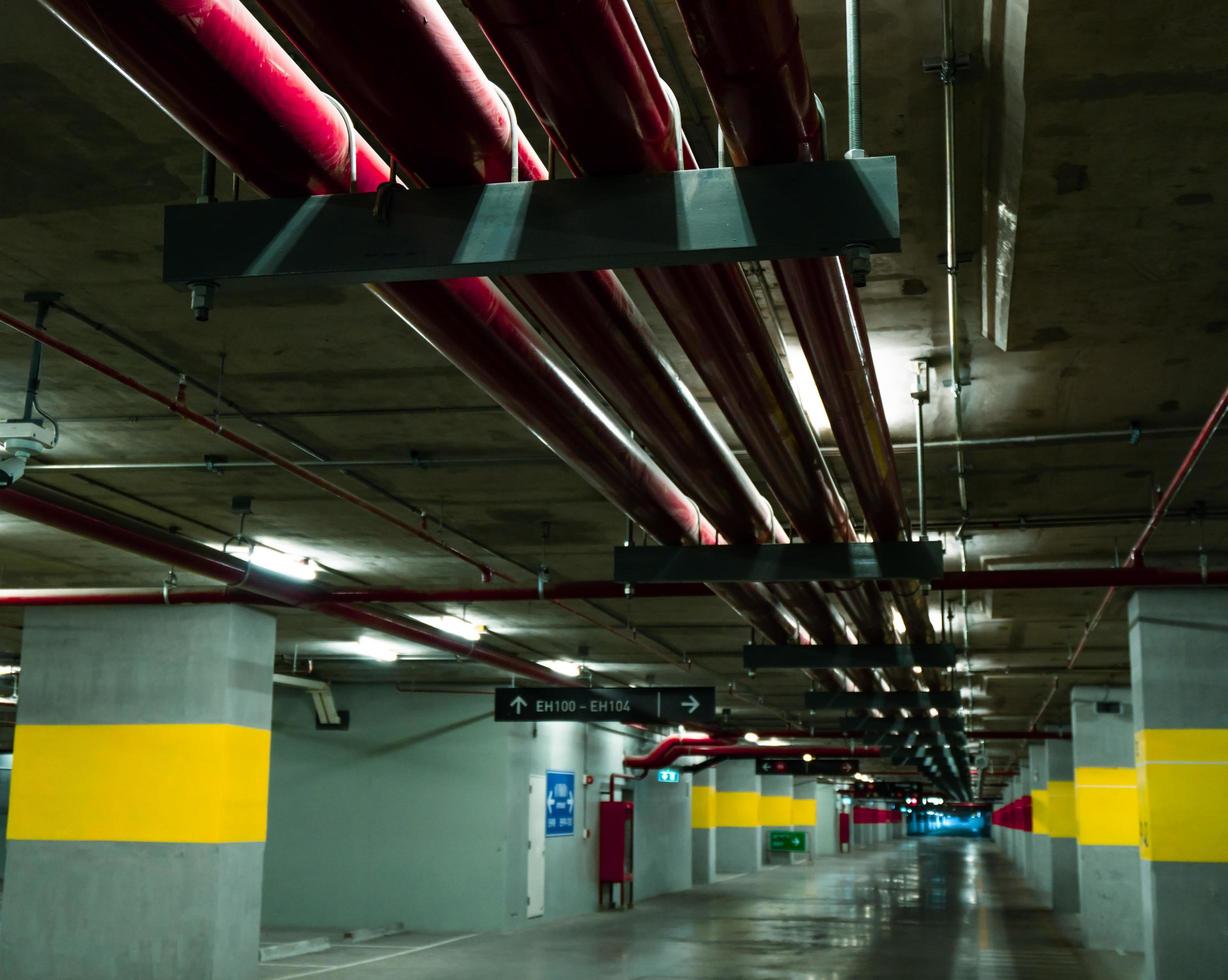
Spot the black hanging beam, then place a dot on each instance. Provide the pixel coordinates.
(691, 217)
(868, 725)
(883, 700)
(897, 560)
(768, 656)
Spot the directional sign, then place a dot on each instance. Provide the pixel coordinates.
(668, 776)
(675, 705)
(800, 767)
(787, 840)
(560, 803)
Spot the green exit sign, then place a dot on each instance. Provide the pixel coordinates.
(787, 840)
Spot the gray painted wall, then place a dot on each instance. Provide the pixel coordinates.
(419, 814)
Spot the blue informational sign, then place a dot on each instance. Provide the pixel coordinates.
(560, 803)
(668, 775)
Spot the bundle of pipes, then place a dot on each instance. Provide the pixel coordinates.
(620, 119)
(751, 58)
(372, 52)
(214, 69)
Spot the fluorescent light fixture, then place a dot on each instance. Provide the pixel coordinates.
(9, 699)
(897, 621)
(773, 741)
(568, 668)
(377, 648)
(291, 566)
(456, 626)
(7, 670)
(751, 737)
(807, 757)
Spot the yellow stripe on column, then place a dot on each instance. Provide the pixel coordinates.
(737, 809)
(775, 811)
(1062, 808)
(805, 813)
(703, 807)
(1182, 785)
(1106, 806)
(1040, 811)
(190, 784)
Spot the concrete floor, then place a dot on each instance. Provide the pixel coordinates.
(922, 908)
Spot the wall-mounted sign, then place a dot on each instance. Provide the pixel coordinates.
(668, 776)
(560, 803)
(787, 840)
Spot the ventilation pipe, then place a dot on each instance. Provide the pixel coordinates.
(751, 58)
(587, 74)
(371, 53)
(215, 70)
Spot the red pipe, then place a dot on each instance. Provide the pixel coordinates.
(58, 511)
(1135, 558)
(212, 425)
(617, 120)
(752, 61)
(675, 747)
(213, 68)
(1039, 578)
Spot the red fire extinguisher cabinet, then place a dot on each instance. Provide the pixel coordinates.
(616, 831)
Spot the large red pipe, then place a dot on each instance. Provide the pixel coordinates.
(373, 52)
(218, 72)
(1037, 578)
(586, 72)
(752, 61)
(1135, 558)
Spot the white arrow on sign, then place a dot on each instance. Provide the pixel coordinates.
(691, 704)
(519, 703)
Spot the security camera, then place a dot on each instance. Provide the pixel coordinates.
(21, 439)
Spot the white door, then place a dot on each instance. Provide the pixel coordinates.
(536, 905)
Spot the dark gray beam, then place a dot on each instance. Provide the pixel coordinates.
(898, 560)
(685, 218)
(765, 656)
(870, 725)
(884, 700)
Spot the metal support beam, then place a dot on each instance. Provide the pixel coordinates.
(902, 726)
(688, 217)
(895, 560)
(822, 658)
(886, 700)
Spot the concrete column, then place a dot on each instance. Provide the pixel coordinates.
(805, 813)
(827, 829)
(1063, 871)
(703, 826)
(1178, 641)
(1040, 872)
(1010, 836)
(1025, 836)
(140, 794)
(1106, 815)
(739, 836)
(775, 813)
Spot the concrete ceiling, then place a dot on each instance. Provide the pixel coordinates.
(1090, 200)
